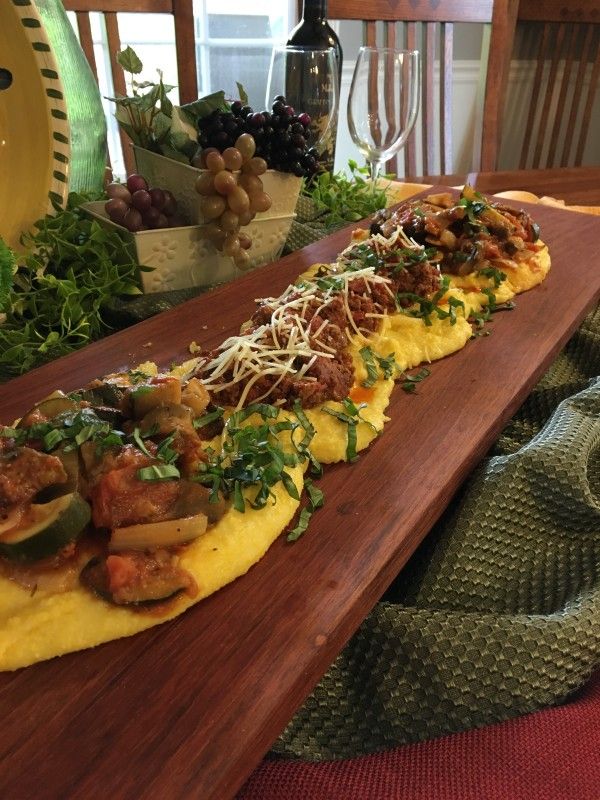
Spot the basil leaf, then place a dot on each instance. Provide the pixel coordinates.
(316, 500)
(369, 361)
(158, 472)
(212, 416)
(130, 61)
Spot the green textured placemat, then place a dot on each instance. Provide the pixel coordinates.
(498, 612)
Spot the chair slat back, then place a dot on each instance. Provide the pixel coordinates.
(183, 17)
(428, 26)
(563, 39)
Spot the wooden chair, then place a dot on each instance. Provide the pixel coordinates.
(183, 16)
(564, 40)
(436, 32)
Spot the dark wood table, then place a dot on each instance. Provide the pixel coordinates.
(187, 709)
(574, 185)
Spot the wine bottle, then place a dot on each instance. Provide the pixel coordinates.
(313, 30)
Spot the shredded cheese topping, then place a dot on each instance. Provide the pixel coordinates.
(288, 344)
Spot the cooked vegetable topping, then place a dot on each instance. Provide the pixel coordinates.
(39, 531)
(151, 460)
(467, 236)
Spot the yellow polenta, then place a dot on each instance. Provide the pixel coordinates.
(47, 624)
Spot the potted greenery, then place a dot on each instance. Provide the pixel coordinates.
(166, 137)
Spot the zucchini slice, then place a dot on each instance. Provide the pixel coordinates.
(55, 404)
(44, 529)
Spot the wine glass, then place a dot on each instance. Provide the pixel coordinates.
(308, 79)
(383, 102)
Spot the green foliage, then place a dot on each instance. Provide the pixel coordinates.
(59, 287)
(130, 61)
(7, 267)
(144, 116)
(152, 121)
(342, 199)
(243, 93)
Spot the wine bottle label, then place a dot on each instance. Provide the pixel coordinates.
(301, 94)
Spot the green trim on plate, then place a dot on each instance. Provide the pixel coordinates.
(57, 190)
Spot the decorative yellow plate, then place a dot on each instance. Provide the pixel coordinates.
(34, 131)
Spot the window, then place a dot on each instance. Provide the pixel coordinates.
(234, 39)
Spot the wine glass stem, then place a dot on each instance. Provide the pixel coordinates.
(376, 168)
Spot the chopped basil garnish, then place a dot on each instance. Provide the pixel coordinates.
(52, 439)
(165, 452)
(350, 417)
(368, 359)
(302, 447)
(158, 472)
(496, 274)
(388, 365)
(410, 381)
(426, 308)
(371, 360)
(315, 501)
(212, 416)
(137, 438)
(252, 456)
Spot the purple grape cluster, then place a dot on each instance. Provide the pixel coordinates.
(282, 137)
(137, 207)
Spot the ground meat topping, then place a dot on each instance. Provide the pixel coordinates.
(293, 348)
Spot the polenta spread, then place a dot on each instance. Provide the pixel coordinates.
(126, 501)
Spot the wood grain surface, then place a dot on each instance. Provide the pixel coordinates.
(187, 709)
(574, 185)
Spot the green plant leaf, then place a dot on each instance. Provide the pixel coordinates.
(242, 93)
(130, 61)
(70, 270)
(204, 105)
(161, 126)
(8, 265)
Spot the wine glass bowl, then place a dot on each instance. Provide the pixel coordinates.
(308, 79)
(383, 102)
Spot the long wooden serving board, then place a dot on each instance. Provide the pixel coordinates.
(188, 708)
